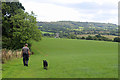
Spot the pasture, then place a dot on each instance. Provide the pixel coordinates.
(46, 32)
(67, 58)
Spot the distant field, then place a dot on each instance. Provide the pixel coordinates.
(108, 36)
(67, 58)
(46, 32)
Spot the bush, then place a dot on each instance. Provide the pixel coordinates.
(116, 39)
(83, 38)
(89, 38)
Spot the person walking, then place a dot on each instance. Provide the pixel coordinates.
(25, 54)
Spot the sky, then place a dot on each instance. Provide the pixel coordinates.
(103, 11)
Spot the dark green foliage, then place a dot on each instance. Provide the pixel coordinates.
(46, 34)
(89, 38)
(78, 37)
(18, 27)
(98, 37)
(72, 36)
(83, 38)
(95, 38)
(116, 39)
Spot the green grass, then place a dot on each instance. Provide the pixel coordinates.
(46, 32)
(67, 58)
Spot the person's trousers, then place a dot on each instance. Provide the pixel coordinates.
(25, 59)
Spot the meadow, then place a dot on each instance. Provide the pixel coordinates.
(67, 58)
(46, 32)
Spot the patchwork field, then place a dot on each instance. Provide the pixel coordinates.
(67, 58)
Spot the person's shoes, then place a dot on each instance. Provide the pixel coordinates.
(27, 65)
(45, 68)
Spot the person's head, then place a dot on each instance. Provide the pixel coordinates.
(26, 44)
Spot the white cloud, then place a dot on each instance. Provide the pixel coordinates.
(51, 12)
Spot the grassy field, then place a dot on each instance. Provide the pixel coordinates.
(67, 58)
(46, 32)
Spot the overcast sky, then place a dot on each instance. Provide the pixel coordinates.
(104, 11)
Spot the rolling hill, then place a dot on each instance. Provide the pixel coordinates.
(78, 27)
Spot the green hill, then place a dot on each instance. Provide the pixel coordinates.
(79, 27)
(73, 24)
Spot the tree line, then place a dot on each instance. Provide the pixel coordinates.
(73, 36)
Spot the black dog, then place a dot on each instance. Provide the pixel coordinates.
(45, 64)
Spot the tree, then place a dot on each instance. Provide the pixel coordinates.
(98, 36)
(89, 38)
(116, 39)
(72, 36)
(18, 27)
(83, 37)
(46, 34)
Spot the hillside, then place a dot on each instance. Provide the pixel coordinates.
(79, 27)
(73, 24)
